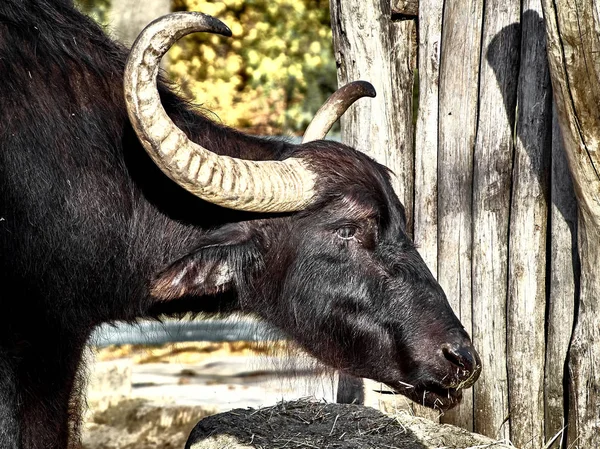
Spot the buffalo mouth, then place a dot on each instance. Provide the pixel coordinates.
(432, 395)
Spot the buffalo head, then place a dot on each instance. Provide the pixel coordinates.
(331, 264)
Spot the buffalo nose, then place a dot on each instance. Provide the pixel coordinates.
(464, 357)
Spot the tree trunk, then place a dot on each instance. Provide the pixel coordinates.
(572, 30)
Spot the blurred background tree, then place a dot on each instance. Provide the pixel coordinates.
(96, 9)
(269, 78)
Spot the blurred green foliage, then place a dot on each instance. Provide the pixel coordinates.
(96, 9)
(270, 77)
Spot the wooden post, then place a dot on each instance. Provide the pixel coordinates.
(488, 162)
(369, 45)
(491, 209)
(573, 46)
(527, 243)
(564, 273)
(505, 194)
(426, 138)
(350, 390)
(459, 86)
(406, 8)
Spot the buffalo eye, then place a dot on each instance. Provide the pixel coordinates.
(346, 232)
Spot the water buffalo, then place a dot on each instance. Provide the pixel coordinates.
(122, 206)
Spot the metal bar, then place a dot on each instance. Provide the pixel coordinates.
(155, 333)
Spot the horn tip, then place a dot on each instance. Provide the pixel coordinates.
(368, 90)
(225, 31)
(217, 26)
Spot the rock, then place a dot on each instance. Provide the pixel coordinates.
(310, 424)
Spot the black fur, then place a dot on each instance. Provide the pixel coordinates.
(92, 232)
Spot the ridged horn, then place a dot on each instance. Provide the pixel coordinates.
(259, 186)
(334, 108)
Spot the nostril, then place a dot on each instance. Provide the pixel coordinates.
(461, 356)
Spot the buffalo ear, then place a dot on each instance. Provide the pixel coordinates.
(214, 267)
(195, 275)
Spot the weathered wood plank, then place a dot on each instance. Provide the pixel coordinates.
(368, 46)
(491, 205)
(584, 358)
(575, 73)
(564, 270)
(459, 72)
(528, 226)
(426, 138)
(408, 7)
(575, 70)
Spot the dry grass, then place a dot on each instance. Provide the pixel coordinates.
(311, 424)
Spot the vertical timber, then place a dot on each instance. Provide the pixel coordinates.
(426, 138)
(495, 214)
(564, 269)
(491, 208)
(573, 45)
(459, 85)
(368, 45)
(529, 223)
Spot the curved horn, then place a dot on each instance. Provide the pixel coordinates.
(260, 186)
(334, 108)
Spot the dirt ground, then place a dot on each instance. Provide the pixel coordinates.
(146, 397)
(139, 424)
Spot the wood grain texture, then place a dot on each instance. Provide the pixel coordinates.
(528, 227)
(483, 228)
(369, 46)
(575, 71)
(459, 82)
(584, 357)
(573, 37)
(426, 138)
(407, 7)
(564, 271)
(491, 208)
